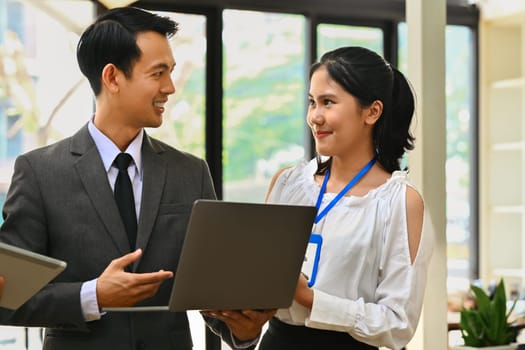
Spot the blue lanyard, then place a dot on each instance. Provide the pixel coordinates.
(352, 182)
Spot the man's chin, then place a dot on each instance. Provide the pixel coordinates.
(156, 123)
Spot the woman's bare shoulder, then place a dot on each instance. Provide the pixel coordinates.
(274, 179)
(415, 208)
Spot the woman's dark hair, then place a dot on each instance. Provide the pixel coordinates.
(112, 39)
(369, 77)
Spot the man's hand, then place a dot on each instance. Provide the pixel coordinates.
(245, 324)
(116, 288)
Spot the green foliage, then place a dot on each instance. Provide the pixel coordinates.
(264, 114)
(487, 324)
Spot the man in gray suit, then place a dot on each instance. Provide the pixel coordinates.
(61, 203)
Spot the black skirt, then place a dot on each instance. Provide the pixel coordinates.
(282, 336)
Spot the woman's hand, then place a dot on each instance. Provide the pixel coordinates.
(304, 295)
(245, 324)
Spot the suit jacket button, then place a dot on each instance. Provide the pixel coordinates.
(140, 345)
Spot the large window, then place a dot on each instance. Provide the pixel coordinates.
(460, 100)
(332, 36)
(43, 96)
(264, 99)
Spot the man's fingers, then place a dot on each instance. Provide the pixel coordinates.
(139, 282)
(145, 291)
(127, 259)
(152, 277)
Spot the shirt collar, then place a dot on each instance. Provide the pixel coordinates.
(108, 150)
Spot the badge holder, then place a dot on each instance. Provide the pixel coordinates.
(311, 258)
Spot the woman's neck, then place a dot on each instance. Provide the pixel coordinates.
(344, 169)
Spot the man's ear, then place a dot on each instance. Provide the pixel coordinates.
(373, 112)
(110, 78)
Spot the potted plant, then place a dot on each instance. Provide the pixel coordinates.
(487, 325)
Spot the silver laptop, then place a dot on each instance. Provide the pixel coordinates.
(239, 256)
(25, 273)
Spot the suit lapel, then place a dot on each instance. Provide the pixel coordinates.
(93, 175)
(153, 181)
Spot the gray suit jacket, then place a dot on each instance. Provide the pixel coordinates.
(60, 204)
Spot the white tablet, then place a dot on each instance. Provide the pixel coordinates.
(25, 273)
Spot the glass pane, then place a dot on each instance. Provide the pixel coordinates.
(43, 95)
(459, 92)
(460, 102)
(183, 126)
(264, 99)
(332, 36)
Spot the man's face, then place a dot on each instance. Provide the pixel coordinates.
(142, 96)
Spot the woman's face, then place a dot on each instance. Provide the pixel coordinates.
(337, 120)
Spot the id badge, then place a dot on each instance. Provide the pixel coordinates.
(311, 258)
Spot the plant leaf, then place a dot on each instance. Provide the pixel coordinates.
(482, 299)
(472, 327)
(488, 323)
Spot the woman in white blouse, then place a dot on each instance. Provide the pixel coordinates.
(365, 271)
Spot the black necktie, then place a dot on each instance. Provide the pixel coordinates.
(124, 197)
